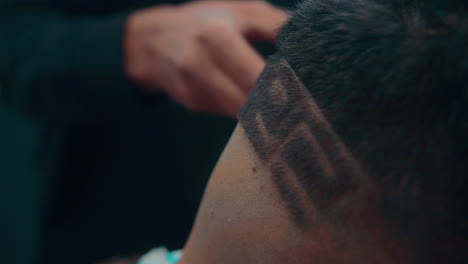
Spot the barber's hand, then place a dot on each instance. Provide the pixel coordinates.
(197, 53)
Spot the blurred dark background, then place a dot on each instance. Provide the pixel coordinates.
(82, 192)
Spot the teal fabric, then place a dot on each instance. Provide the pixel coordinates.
(174, 256)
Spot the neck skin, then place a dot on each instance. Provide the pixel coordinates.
(243, 219)
(254, 212)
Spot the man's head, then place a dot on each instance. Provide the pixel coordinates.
(356, 142)
(366, 105)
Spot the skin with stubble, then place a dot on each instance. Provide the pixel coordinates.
(352, 147)
(258, 207)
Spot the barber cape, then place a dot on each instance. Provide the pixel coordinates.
(160, 255)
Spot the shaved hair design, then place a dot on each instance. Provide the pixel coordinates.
(363, 113)
(290, 134)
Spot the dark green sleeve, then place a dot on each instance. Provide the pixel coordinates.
(62, 67)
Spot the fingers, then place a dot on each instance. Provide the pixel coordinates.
(260, 20)
(225, 97)
(233, 55)
(208, 85)
(255, 19)
(213, 67)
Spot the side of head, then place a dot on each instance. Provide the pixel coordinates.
(366, 107)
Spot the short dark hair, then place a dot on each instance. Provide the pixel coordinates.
(391, 79)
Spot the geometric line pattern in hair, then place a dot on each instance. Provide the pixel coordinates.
(290, 136)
